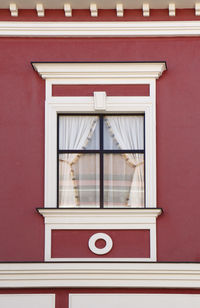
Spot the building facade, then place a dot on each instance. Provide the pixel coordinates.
(99, 127)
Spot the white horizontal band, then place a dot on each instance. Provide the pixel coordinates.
(151, 275)
(116, 29)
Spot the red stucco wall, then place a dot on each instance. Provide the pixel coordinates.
(22, 137)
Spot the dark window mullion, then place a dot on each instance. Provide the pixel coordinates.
(101, 162)
(99, 151)
(79, 151)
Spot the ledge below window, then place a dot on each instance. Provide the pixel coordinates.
(100, 218)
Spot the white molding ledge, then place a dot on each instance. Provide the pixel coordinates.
(90, 71)
(100, 218)
(92, 29)
(136, 275)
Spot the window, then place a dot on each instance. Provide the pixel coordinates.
(108, 192)
(101, 161)
(138, 73)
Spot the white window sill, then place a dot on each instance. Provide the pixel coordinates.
(100, 218)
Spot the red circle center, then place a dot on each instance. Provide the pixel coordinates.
(100, 243)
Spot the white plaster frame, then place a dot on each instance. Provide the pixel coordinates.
(99, 73)
(103, 219)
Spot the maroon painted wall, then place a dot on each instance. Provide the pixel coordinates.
(22, 137)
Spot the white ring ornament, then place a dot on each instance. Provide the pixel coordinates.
(100, 236)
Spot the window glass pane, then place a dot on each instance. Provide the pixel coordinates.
(124, 132)
(124, 180)
(79, 180)
(78, 132)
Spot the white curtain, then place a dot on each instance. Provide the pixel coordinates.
(128, 132)
(74, 134)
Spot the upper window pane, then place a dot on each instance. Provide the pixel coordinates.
(78, 132)
(124, 132)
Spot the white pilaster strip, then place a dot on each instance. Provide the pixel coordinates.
(146, 10)
(197, 8)
(67, 10)
(13, 9)
(119, 9)
(93, 10)
(172, 9)
(40, 9)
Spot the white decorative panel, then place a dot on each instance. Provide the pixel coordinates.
(134, 300)
(27, 300)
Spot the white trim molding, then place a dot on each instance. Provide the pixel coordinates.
(67, 9)
(102, 219)
(120, 9)
(113, 73)
(100, 29)
(130, 275)
(146, 9)
(13, 10)
(40, 10)
(197, 9)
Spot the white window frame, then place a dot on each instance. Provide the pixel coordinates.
(114, 104)
(99, 73)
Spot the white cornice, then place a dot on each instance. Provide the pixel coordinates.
(151, 275)
(100, 218)
(103, 71)
(92, 29)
